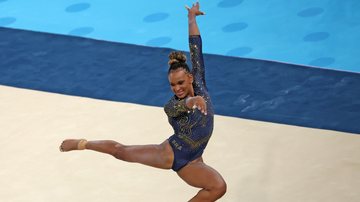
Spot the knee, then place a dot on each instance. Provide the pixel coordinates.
(121, 152)
(219, 188)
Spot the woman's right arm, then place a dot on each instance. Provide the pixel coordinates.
(175, 108)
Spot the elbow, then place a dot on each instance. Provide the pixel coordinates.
(168, 112)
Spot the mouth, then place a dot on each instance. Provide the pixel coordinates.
(180, 94)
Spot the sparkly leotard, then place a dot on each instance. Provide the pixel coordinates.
(192, 128)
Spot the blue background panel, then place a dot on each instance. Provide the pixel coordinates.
(247, 88)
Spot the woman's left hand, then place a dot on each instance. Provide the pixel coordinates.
(195, 9)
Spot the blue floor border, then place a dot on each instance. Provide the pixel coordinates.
(240, 87)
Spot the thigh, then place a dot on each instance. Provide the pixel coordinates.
(200, 175)
(159, 156)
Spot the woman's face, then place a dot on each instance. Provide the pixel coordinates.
(181, 83)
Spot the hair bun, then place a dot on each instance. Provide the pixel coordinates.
(176, 57)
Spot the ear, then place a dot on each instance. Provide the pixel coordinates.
(191, 77)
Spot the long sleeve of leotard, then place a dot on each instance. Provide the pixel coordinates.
(198, 67)
(175, 107)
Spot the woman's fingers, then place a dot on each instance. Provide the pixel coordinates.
(203, 109)
(195, 9)
(200, 104)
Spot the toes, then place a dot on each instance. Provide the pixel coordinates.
(61, 147)
(71, 144)
(65, 146)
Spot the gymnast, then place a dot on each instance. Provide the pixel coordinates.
(190, 113)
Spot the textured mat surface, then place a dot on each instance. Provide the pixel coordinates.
(260, 161)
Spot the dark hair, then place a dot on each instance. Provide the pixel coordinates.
(177, 60)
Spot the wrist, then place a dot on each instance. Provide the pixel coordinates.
(189, 102)
(191, 16)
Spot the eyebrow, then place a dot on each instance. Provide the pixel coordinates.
(179, 82)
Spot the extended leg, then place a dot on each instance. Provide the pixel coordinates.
(200, 175)
(159, 156)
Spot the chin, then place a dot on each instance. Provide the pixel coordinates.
(181, 96)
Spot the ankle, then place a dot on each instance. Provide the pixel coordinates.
(82, 144)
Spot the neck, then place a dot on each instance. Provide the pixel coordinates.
(192, 94)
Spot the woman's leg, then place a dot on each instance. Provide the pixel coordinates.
(159, 156)
(200, 175)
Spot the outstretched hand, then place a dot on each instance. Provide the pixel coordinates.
(198, 103)
(195, 9)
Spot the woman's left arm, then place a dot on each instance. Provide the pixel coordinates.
(192, 13)
(195, 43)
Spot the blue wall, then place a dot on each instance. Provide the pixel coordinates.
(246, 88)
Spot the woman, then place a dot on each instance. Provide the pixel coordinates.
(191, 115)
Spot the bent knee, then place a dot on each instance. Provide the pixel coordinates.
(219, 188)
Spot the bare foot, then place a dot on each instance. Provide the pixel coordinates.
(70, 144)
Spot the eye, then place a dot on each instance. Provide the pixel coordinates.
(181, 82)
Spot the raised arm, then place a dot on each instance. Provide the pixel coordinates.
(192, 13)
(195, 43)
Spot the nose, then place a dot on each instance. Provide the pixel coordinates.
(176, 88)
